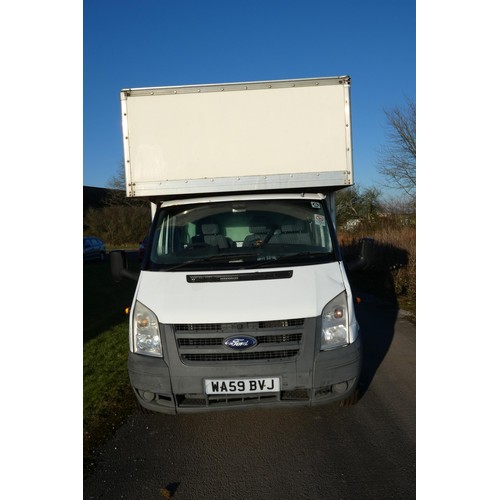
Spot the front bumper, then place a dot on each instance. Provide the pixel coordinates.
(311, 377)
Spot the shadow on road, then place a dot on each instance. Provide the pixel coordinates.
(377, 307)
(377, 322)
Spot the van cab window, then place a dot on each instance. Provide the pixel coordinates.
(241, 234)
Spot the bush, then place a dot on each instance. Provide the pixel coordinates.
(118, 224)
(394, 253)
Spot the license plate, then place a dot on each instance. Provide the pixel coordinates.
(242, 385)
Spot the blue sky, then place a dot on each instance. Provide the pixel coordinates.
(154, 43)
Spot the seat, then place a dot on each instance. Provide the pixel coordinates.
(211, 236)
(294, 233)
(259, 229)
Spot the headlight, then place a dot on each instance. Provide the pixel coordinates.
(146, 332)
(335, 329)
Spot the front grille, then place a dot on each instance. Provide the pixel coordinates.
(277, 339)
(241, 356)
(199, 342)
(189, 401)
(281, 323)
(201, 400)
(204, 342)
(203, 327)
(265, 339)
(239, 327)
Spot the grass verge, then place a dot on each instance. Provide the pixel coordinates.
(107, 395)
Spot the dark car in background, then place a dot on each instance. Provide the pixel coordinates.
(93, 249)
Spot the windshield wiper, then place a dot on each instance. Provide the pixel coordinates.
(290, 256)
(212, 258)
(234, 257)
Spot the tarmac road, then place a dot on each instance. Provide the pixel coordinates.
(366, 451)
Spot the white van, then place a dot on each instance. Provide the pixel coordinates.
(243, 298)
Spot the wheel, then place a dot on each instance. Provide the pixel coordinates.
(351, 400)
(143, 410)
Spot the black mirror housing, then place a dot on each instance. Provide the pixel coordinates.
(365, 259)
(119, 266)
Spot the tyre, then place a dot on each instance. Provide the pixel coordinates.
(351, 400)
(143, 410)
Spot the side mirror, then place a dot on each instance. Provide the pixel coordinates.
(119, 266)
(365, 259)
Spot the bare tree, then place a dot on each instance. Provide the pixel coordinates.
(117, 181)
(355, 206)
(397, 160)
(117, 189)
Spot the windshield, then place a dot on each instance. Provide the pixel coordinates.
(240, 235)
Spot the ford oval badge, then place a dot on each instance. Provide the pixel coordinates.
(240, 343)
